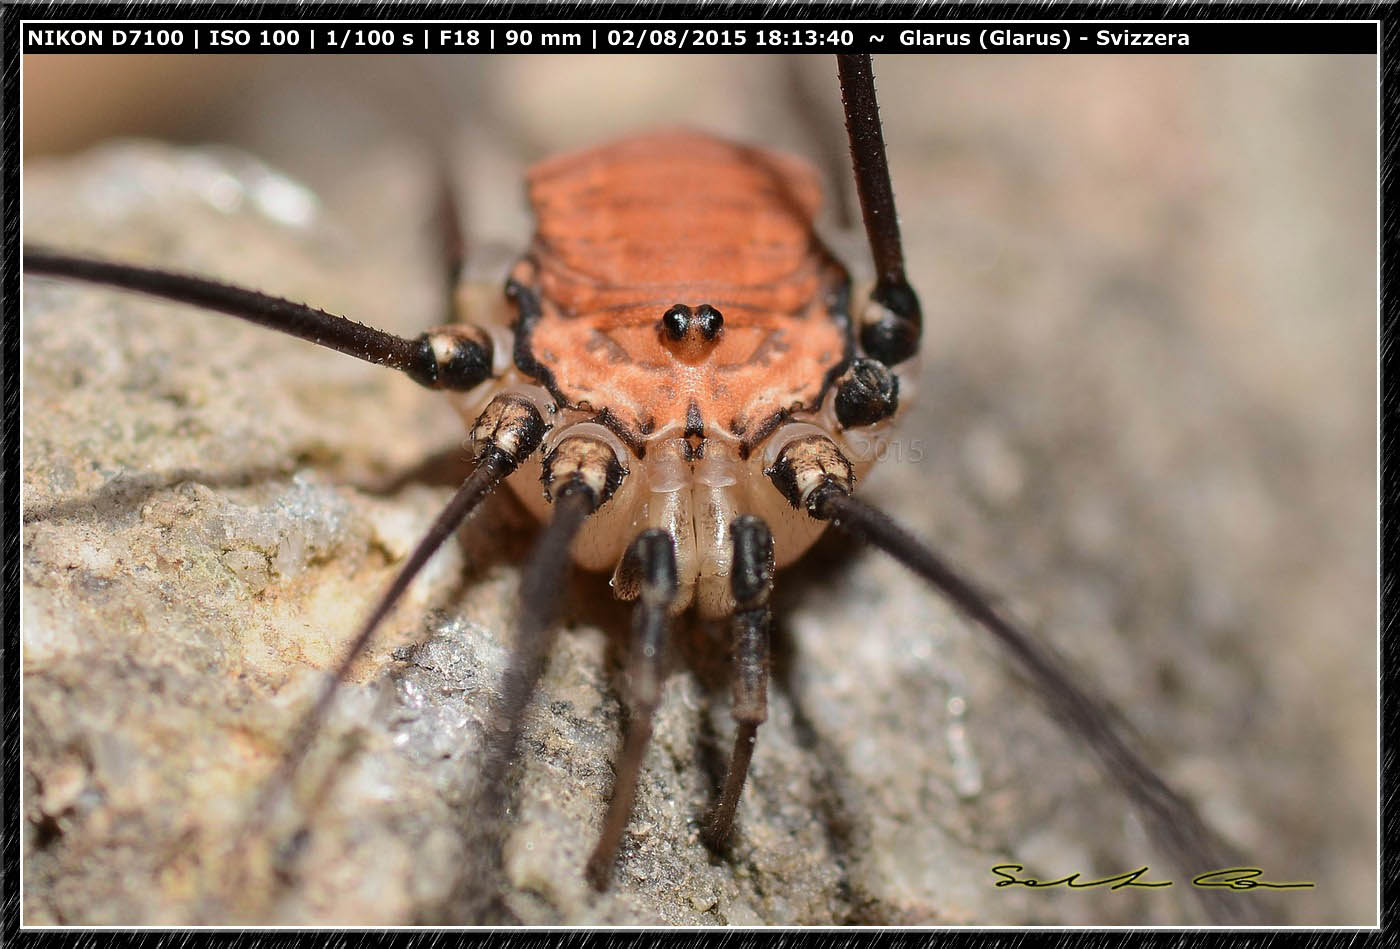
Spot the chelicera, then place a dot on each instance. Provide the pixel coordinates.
(681, 382)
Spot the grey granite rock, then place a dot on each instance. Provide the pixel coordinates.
(1144, 418)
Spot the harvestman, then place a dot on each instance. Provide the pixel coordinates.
(696, 418)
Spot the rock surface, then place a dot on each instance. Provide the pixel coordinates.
(1145, 416)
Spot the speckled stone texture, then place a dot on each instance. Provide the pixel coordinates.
(1145, 417)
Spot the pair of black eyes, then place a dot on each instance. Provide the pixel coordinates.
(680, 319)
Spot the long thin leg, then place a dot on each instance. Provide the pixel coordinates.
(580, 473)
(654, 552)
(492, 466)
(451, 241)
(438, 360)
(752, 581)
(891, 332)
(541, 589)
(1170, 817)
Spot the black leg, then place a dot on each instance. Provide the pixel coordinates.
(451, 241)
(581, 473)
(890, 331)
(654, 555)
(509, 430)
(541, 592)
(1170, 817)
(442, 359)
(752, 580)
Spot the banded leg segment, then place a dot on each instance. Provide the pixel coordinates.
(752, 582)
(653, 556)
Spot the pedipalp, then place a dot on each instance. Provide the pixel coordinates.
(752, 581)
(652, 559)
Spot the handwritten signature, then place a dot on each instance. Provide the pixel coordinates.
(1230, 878)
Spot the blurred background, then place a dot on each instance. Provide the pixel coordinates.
(1148, 395)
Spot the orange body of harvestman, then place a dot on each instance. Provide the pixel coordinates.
(678, 363)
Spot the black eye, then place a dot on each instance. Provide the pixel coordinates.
(676, 321)
(709, 320)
